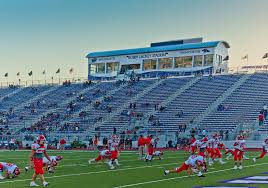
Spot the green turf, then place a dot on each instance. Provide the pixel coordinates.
(74, 171)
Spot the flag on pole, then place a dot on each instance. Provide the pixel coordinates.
(44, 72)
(6, 75)
(226, 58)
(265, 56)
(245, 57)
(71, 70)
(58, 71)
(18, 73)
(30, 73)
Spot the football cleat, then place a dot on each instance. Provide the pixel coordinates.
(166, 172)
(33, 184)
(45, 184)
(1, 177)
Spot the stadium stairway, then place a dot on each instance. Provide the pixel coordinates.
(243, 104)
(89, 107)
(7, 92)
(164, 91)
(222, 98)
(63, 103)
(195, 100)
(172, 97)
(125, 105)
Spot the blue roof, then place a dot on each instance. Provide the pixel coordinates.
(156, 49)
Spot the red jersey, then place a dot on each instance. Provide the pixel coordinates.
(141, 142)
(62, 141)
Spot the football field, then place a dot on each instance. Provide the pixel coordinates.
(74, 171)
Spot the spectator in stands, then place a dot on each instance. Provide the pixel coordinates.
(170, 144)
(156, 107)
(180, 114)
(220, 107)
(261, 118)
(221, 133)
(114, 130)
(109, 109)
(180, 128)
(193, 132)
(184, 127)
(265, 111)
(105, 141)
(62, 144)
(227, 135)
(204, 132)
(162, 108)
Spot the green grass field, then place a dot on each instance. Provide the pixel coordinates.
(74, 171)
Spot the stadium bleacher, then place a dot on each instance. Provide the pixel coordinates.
(103, 106)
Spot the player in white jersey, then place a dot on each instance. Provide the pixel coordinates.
(8, 170)
(114, 144)
(239, 146)
(264, 150)
(103, 155)
(195, 162)
(158, 154)
(51, 165)
(215, 146)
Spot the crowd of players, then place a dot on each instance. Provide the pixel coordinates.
(204, 152)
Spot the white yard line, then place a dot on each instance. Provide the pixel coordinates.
(180, 177)
(130, 185)
(84, 164)
(89, 173)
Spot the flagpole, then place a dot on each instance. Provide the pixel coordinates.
(45, 77)
(59, 78)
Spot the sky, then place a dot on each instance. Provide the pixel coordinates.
(37, 35)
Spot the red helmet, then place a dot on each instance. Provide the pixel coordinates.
(41, 138)
(215, 135)
(240, 137)
(199, 163)
(58, 158)
(54, 163)
(205, 139)
(16, 171)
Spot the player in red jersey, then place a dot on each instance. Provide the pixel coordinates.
(150, 149)
(239, 146)
(194, 162)
(192, 145)
(141, 145)
(264, 150)
(36, 160)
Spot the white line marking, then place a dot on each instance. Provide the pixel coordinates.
(180, 177)
(88, 173)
